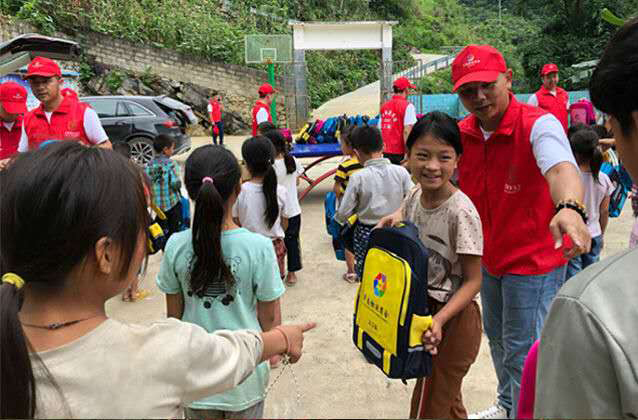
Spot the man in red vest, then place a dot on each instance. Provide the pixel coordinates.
(261, 110)
(215, 108)
(550, 96)
(397, 118)
(519, 170)
(13, 100)
(58, 117)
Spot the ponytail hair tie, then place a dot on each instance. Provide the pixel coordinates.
(207, 179)
(14, 279)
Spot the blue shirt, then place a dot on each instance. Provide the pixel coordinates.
(253, 263)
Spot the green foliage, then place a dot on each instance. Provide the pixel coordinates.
(114, 80)
(86, 71)
(148, 78)
(34, 12)
(438, 82)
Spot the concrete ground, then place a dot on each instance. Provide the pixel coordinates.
(332, 379)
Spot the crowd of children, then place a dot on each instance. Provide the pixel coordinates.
(86, 240)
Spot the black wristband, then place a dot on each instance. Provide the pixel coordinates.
(572, 206)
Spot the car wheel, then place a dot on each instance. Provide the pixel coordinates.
(141, 150)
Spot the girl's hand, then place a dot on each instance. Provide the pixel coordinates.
(433, 336)
(391, 220)
(294, 335)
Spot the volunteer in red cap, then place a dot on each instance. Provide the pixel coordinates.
(519, 170)
(215, 108)
(398, 116)
(261, 110)
(13, 103)
(550, 96)
(58, 117)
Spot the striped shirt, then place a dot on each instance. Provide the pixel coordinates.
(164, 175)
(345, 171)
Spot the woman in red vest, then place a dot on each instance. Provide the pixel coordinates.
(58, 117)
(215, 108)
(550, 96)
(261, 110)
(13, 100)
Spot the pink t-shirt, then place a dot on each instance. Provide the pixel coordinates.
(528, 384)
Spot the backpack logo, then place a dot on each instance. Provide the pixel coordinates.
(380, 284)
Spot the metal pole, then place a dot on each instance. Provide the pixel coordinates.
(273, 104)
(499, 12)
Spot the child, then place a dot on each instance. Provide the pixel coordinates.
(375, 191)
(288, 170)
(450, 227)
(598, 187)
(633, 238)
(261, 206)
(265, 127)
(164, 174)
(221, 276)
(342, 176)
(60, 261)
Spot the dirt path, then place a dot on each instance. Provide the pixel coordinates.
(332, 379)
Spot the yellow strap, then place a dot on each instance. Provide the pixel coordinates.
(155, 230)
(158, 212)
(360, 338)
(419, 325)
(13, 278)
(386, 361)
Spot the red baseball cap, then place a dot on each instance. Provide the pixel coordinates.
(549, 68)
(68, 92)
(477, 63)
(13, 98)
(403, 83)
(265, 89)
(42, 66)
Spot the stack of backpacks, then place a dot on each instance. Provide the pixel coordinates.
(328, 131)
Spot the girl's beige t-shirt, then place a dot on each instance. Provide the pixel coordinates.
(451, 229)
(124, 370)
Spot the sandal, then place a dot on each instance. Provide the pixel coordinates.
(350, 277)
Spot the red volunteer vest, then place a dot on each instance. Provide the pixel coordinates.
(556, 105)
(67, 123)
(10, 139)
(392, 115)
(216, 113)
(512, 197)
(259, 105)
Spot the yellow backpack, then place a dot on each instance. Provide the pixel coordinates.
(391, 311)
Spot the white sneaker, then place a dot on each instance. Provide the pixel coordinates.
(496, 411)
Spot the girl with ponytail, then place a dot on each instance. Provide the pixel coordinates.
(262, 205)
(288, 171)
(74, 235)
(598, 188)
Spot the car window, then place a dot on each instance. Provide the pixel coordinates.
(122, 110)
(138, 110)
(104, 108)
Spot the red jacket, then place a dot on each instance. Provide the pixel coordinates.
(259, 105)
(216, 113)
(556, 105)
(67, 123)
(10, 139)
(512, 197)
(392, 116)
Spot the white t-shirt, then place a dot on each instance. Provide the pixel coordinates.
(250, 209)
(549, 143)
(408, 119)
(595, 193)
(122, 370)
(92, 127)
(533, 99)
(262, 116)
(289, 182)
(8, 125)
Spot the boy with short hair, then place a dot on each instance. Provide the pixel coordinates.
(164, 175)
(373, 192)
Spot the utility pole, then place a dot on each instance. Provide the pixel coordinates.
(499, 13)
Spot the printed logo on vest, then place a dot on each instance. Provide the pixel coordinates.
(380, 284)
(71, 134)
(512, 188)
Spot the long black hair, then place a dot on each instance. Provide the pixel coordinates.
(281, 147)
(212, 175)
(259, 154)
(584, 143)
(57, 202)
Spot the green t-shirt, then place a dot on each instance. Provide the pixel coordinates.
(252, 261)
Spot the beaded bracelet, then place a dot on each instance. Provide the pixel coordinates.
(573, 205)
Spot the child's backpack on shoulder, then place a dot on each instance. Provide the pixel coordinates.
(621, 180)
(391, 310)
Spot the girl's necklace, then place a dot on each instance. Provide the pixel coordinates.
(58, 325)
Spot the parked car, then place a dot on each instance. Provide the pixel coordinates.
(136, 120)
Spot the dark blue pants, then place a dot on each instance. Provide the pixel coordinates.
(220, 126)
